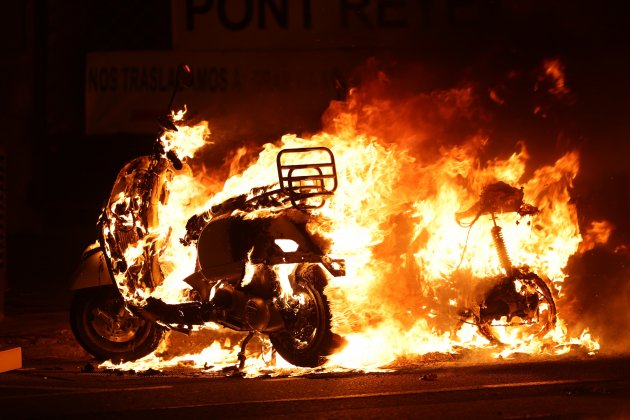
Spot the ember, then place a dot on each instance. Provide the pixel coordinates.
(410, 268)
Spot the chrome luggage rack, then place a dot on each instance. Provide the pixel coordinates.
(303, 181)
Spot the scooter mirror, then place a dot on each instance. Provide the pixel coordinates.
(185, 75)
(183, 79)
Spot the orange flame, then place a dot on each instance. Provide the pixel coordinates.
(597, 233)
(554, 71)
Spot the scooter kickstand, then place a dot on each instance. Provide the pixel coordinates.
(241, 354)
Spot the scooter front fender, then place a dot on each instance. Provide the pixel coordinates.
(92, 270)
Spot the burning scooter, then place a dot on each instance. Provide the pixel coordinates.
(518, 297)
(239, 245)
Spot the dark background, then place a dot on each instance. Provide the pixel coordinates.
(57, 176)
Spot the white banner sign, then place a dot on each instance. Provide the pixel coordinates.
(261, 66)
(252, 92)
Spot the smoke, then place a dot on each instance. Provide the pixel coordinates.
(598, 295)
(400, 104)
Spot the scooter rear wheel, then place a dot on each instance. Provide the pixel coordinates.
(307, 338)
(538, 327)
(104, 327)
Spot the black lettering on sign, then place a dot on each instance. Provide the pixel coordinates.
(155, 78)
(391, 13)
(386, 14)
(125, 70)
(102, 79)
(158, 79)
(281, 14)
(238, 24)
(271, 80)
(306, 13)
(237, 15)
(195, 8)
(144, 79)
(211, 79)
(355, 8)
(132, 79)
(113, 78)
(172, 76)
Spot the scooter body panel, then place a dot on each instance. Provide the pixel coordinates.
(92, 270)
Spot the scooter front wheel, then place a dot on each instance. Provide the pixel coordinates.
(106, 329)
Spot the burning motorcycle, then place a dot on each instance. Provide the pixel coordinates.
(518, 297)
(240, 243)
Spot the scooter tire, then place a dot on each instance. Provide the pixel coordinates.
(107, 330)
(310, 349)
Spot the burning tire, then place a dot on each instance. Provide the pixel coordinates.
(105, 328)
(307, 338)
(536, 310)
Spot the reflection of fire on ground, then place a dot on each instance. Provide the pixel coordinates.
(407, 162)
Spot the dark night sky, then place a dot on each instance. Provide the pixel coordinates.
(57, 176)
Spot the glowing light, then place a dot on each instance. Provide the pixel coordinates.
(287, 245)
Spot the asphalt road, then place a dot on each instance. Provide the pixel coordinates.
(593, 387)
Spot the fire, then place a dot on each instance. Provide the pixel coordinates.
(409, 264)
(597, 233)
(554, 73)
